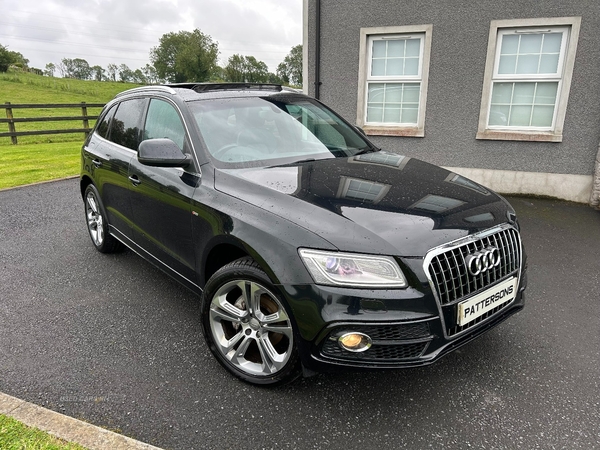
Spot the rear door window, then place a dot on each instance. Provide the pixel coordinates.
(125, 128)
(104, 125)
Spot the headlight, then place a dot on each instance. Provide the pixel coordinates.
(352, 270)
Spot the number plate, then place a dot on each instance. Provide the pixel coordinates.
(489, 299)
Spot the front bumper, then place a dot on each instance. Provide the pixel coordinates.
(405, 326)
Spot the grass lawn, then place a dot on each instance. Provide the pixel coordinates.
(16, 436)
(31, 163)
(19, 87)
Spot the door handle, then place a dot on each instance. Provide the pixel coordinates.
(134, 180)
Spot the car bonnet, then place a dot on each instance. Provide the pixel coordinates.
(379, 203)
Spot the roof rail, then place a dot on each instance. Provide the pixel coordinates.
(156, 88)
(205, 87)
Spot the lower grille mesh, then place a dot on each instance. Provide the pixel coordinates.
(390, 342)
(377, 352)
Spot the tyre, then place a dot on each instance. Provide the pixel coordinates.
(247, 327)
(97, 223)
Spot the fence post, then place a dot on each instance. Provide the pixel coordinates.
(11, 123)
(86, 123)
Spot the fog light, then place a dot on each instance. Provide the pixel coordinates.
(355, 342)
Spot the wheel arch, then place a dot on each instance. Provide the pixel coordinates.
(84, 182)
(227, 248)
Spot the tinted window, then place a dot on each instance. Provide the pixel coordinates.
(125, 128)
(103, 126)
(164, 122)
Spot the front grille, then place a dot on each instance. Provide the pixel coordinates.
(452, 282)
(450, 275)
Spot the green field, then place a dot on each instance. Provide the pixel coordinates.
(46, 157)
(19, 87)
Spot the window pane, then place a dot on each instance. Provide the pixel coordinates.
(523, 93)
(394, 67)
(374, 114)
(410, 114)
(508, 64)
(545, 93)
(502, 93)
(520, 116)
(527, 64)
(379, 49)
(125, 127)
(510, 44)
(413, 47)
(393, 93)
(376, 93)
(549, 63)
(411, 66)
(411, 93)
(391, 113)
(163, 121)
(552, 42)
(542, 116)
(499, 115)
(395, 48)
(102, 128)
(378, 68)
(530, 43)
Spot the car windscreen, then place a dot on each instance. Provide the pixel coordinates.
(273, 130)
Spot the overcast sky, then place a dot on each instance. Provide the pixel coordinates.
(124, 31)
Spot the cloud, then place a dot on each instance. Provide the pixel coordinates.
(124, 31)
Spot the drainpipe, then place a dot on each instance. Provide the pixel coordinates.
(595, 199)
(318, 49)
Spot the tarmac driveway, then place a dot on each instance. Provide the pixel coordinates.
(113, 341)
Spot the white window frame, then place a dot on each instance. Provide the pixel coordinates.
(367, 36)
(569, 26)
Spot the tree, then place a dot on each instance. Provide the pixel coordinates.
(19, 60)
(290, 70)
(50, 68)
(185, 56)
(6, 59)
(112, 71)
(66, 68)
(150, 74)
(139, 77)
(97, 73)
(81, 69)
(246, 69)
(125, 73)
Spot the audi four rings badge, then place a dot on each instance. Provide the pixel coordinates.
(483, 260)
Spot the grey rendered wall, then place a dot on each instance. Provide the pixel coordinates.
(460, 35)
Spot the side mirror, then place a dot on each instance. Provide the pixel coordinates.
(162, 153)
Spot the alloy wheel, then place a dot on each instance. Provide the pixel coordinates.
(250, 328)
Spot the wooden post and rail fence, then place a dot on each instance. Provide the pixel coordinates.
(13, 121)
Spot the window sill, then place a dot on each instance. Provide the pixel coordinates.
(394, 131)
(531, 136)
